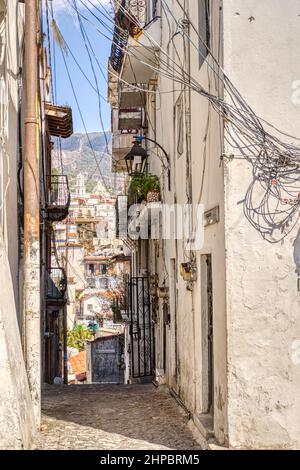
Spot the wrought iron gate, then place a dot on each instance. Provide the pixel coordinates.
(141, 327)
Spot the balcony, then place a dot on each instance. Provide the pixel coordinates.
(57, 198)
(141, 58)
(56, 287)
(59, 120)
(128, 120)
(131, 98)
(131, 58)
(142, 50)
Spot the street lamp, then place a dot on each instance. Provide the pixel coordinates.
(136, 159)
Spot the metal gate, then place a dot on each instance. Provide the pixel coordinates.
(141, 328)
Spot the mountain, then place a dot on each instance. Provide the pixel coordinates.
(90, 155)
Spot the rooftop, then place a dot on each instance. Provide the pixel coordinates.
(78, 365)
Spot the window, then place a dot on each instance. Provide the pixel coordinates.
(103, 268)
(151, 10)
(179, 123)
(204, 29)
(154, 8)
(91, 268)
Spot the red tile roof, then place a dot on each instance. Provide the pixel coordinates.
(78, 365)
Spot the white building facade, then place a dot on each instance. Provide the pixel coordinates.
(226, 340)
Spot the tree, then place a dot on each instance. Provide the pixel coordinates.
(78, 336)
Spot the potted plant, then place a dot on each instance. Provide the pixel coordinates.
(153, 189)
(146, 187)
(137, 187)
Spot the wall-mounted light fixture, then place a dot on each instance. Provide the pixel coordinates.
(136, 160)
(163, 292)
(188, 271)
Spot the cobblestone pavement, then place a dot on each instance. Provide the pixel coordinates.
(101, 417)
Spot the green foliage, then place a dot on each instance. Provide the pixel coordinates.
(78, 337)
(77, 295)
(142, 184)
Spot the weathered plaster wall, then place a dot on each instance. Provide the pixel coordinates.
(185, 371)
(208, 190)
(17, 424)
(255, 298)
(16, 413)
(261, 56)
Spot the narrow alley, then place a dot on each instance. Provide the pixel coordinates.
(149, 227)
(110, 417)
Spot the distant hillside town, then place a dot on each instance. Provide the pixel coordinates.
(86, 252)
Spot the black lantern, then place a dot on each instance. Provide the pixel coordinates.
(136, 159)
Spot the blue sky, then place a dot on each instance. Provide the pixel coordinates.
(66, 19)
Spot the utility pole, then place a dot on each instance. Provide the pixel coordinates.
(32, 346)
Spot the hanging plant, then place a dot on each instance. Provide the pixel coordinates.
(153, 193)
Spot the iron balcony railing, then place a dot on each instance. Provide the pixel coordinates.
(56, 285)
(127, 24)
(120, 40)
(58, 197)
(131, 17)
(133, 13)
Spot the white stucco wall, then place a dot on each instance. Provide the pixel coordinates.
(255, 298)
(261, 49)
(95, 305)
(185, 371)
(17, 425)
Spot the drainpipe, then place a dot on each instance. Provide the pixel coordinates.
(65, 312)
(32, 306)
